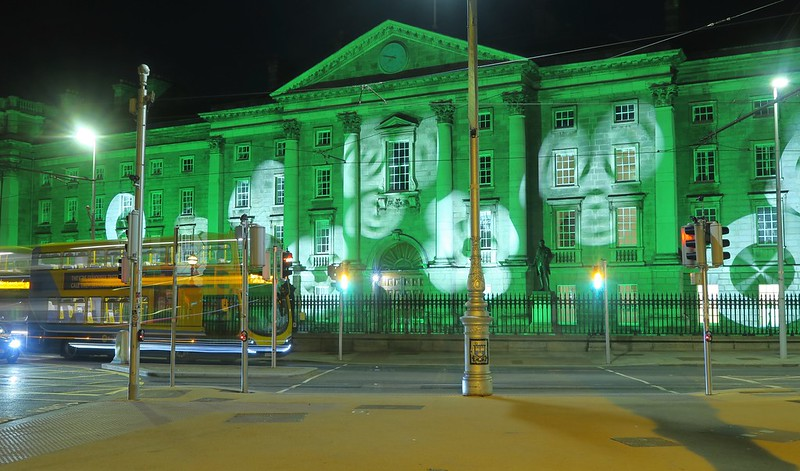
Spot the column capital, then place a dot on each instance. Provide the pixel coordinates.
(215, 143)
(445, 110)
(663, 93)
(291, 129)
(516, 101)
(351, 121)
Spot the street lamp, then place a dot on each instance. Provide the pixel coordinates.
(777, 83)
(87, 137)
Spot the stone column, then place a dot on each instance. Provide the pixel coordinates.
(351, 186)
(517, 158)
(445, 111)
(291, 189)
(217, 204)
(10, 200)
(666, 196)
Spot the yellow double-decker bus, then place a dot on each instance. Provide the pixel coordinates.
(78, 302)
(15, 271)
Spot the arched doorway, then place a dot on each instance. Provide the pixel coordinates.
(401, 269)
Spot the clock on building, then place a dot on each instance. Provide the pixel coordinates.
(393, 58)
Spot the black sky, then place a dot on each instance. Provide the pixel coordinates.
(225, 48)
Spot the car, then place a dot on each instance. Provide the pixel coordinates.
(9, 346)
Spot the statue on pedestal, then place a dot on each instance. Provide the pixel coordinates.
(542, 263)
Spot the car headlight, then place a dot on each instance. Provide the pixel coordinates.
(15, 343)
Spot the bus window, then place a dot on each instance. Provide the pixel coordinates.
(48, 261)
(113, 310)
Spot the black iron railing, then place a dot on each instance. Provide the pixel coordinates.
(543, 313)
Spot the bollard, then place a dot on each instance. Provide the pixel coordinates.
(121, 350)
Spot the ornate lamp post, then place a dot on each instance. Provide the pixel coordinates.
(777, 83)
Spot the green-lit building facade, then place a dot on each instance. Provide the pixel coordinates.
(363, 160)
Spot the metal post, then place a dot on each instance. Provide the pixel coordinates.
(174, 319)
(477, 380)
(92, 209)
(779, 219)
(605, 311)
(706, 327)
(135, 236)
(277, 264)
(245, 224)
(341, 321)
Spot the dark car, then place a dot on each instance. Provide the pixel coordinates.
(9, 346)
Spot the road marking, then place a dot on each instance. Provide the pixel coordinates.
(751, 381)
(660, 388)
(310, 379)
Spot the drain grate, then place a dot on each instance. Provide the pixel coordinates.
(213, 399)
(641, 442)
(388, 407)
(266, 418)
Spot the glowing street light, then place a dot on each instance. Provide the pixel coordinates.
(87, 137)
(777, 83)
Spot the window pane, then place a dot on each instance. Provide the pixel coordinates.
(626, 227)
(399, 166)
(566, 225)
(767, 224)
(565, 167)
(764, 160)
(625, 163)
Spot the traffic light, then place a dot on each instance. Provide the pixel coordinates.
(124, 270)
(140, 335)
(597, 277)
(340, 275)
(243, 336)
(693, 245)
(718, 243)
(286, 264)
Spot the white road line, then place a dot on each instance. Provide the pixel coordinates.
(752, 382)
(310, 379)
(660, 388)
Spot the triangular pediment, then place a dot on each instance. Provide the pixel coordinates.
(398, 121)
(390, 51)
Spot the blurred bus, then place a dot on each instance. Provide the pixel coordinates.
(79, 304)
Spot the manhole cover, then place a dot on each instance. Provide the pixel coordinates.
(639, 442)
(266, 418)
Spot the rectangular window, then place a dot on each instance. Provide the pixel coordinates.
(625, 163)
(485, 169)
(764, 108)
(187, 201)
(70, 209)
(709, 214)
(45, 211)
(243, 152)
(766, 225)
(565, 165)
(627, 230)
(567, 228)
(45, 179)
(280, 148)
(72, 173)
(323, 182)
(156, 167)
(125, 169)
(242, 193)
(768, 311)
(100, 173)
(485, 120)
(187, 164)
(564, 118)
(764, 159)
(705, 165)
(322, 137)
(279, 194)
(625, 112)
(703, 113)
(156, 204)
(322, 236)
(277, 232)
(399, 164)
(98, 208)
(486, 236)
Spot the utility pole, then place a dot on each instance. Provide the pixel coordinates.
(135, 227)
(477, 380)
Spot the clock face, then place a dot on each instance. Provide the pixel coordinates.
(393, 58)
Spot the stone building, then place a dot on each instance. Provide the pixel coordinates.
(363, 160)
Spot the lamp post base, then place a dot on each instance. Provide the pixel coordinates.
(477, 380)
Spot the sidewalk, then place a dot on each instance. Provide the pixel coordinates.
(212, 428)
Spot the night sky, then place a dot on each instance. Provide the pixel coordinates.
(226, 48)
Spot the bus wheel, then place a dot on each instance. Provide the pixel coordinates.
(68, 351)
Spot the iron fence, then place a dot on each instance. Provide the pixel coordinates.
(543, 313)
